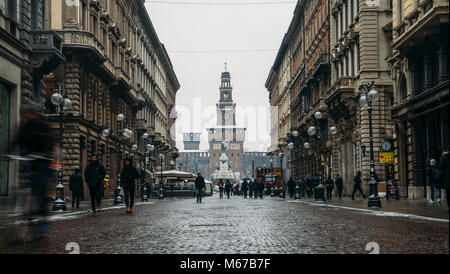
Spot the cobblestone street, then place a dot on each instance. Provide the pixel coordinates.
(237, 225)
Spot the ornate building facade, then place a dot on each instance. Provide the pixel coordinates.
(115, 65)
(420, 74)
(27, 52)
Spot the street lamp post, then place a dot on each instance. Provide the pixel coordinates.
(161, 186)
(319, 190)
(59, 99)
(369, 95)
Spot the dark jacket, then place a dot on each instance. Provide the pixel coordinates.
(129, 174)
(94, 174)
(245, 186)
(228, 186)
(291, 185)
(200, 183)
(339, 182)
(358, 180)
(443, 171)
(76, 184)
(329, 183)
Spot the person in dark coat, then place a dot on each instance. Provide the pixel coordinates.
(261, 189)
(309, 186)
(443, 173)
(94, 175)
(199, 187)
(250, 189)
(245, 188)
(128, 176)
(228, 188)
(291, 187)
(339, 185)
(357, 186)
(76, 186)
(330, 185)
(434, 181)
(34, 139)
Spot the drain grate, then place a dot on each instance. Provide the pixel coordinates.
(207, 225)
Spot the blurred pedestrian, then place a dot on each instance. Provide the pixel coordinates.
(330, 186)
(199, 187)
(245, 188)
(128, 176)
(76, 186)
(309, 186)
(94, 175)
(443, 173)
(357, 186)
(291, 187)
(228, 188)
(34, 141)
(339, 185)
(220, 184)
(434, 182)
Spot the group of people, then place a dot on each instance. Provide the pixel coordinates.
(249, 188)
(307, 185)
(94, 176)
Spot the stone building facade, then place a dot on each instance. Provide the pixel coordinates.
(360, 42)
(27, 52)
(115, 65)
(419, 63)
(335, 48)
(195, 161)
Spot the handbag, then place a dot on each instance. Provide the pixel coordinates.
(121, 192)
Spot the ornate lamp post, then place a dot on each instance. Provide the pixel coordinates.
(59, 99)
(161, 186)
(314, 131)
(121, 133)
(369, 95)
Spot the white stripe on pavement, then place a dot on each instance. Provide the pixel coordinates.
(376, 212)
(72, 215)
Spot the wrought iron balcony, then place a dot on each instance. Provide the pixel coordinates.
(47, 51)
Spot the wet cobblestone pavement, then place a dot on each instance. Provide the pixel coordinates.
(237, 225)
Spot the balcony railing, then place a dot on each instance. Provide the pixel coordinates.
(83, 39)
(416, 16)
(45, 39)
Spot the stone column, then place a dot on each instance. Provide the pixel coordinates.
(428, 77)
(443, 61)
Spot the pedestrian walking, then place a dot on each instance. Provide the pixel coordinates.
(94, 175)
(339, 185)
(443, 174)
(76, 186)
(261, 189)
(220, 184)
(330, 186)
(34, 140)
(244, 188)
(251, 187)
(228, 188)
(128, 176)
(434, 182)
(309, 186)
(291, 187)
(357, 186)
(200, 186)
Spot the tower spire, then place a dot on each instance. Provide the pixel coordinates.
(225, 66)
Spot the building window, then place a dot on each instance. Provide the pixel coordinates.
(4, 137)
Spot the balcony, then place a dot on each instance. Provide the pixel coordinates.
(341, 100)
(416, 26)
(47, 51)
(83, 41)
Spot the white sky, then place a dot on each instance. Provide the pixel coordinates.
(230, 28)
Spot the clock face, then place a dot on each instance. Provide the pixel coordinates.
(386, 146)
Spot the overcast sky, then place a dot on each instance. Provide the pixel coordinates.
(201, 38)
